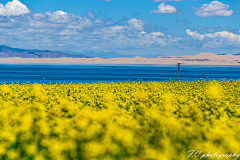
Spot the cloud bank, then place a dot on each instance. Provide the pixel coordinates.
(222, 39)
(60, 30)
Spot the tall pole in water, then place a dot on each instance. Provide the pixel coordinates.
(178, 70)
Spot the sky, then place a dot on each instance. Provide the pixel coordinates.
(147, 28)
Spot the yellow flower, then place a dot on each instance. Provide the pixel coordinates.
(31, 149)
(142, 96)
(132, 120)
(12, 154)
(94, 149)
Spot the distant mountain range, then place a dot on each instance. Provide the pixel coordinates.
(6, 52)
(100, 54)
(110, 54)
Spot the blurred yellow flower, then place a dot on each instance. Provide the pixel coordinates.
(132, 120)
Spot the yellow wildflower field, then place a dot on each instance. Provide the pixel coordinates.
(130, 120)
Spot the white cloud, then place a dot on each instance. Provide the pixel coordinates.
(98, 21)
(59, 19)
(60, 29)
(39, 16)
(162, 8)
(136, 24)
(91, 14)
(13, 8)
(143, 32)
(213, 9)
(58, 16)
(217, 39)
(225, 35)
(68, 32)
(80, 23)
(151, 39)
(195, 35)
(157, 33)
(114, 29)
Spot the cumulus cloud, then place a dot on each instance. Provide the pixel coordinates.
(60, 29)
(13, 8)
(194, 34)
(58, 16)
(157, 34)
(164, 8)
(217, 39)
(58, 19)
(213, 9)
(136, 24)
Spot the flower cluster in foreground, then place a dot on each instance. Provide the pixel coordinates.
(131, 120)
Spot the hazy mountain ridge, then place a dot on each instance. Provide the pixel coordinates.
(9, 52)
(100, 54)
(110, 54)
(6, 52)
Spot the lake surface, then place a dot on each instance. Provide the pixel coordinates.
(23, 73)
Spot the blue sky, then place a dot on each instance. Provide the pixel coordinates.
(136, 27)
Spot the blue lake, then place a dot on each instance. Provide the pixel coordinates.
(23, 73)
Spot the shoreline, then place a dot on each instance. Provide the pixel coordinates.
(202, 59)
(115, 64)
